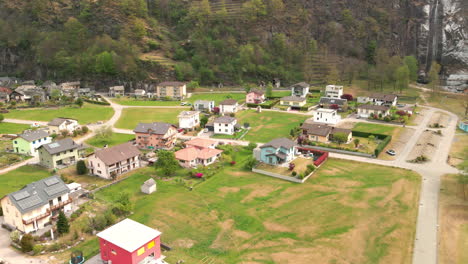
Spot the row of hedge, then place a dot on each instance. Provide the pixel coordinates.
(95, 102)
(385, 140)
(267, 105)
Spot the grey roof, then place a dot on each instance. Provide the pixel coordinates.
(316, 129)
(37, 194)
(224, 120)
(31, 135)
(171, 84)
(61, 145)
(280, 142)
(374, 107)
(228, 102)
(293, 99)
(301, 84)
(150, 182)
(204, 102)
(329, 100)
(58, 121)
(383, 97)
(158, 128)
(117, 153)
(117, 88)
(255, 91)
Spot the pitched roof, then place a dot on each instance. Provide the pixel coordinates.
(316, 129)
(117, 88)
(204, 102)
(192, 153)
(329, 100)
(149, 182)
(340, 130)
(171, 84)
(158, 128)
(61, 145)
(188, 113)
(31, 135)
(117, 153)
(37, 194)
(228, 102)
(200, 142)
(5, 90)
(301, 84)
(224, 120)
(59, 120)
(374, 107)
(383, 97)
(258, 92)
(129, 235)
(293, 99)
(280, 142)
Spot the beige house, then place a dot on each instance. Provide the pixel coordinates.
(323, 133)
(60, 153)
(116, 91)
(59, 124)
(35, 205)
(108, 163)
(293, 101)
(189, 119)
(148, 186)
(367, 110)
(173, 90)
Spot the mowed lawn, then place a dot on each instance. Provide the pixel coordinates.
(114, 139)
(16, 179)
(268, 125)
(217, 97)
(132, 116)
(89, 113)
(11, 128)
(138, 102)
(360, 213)
(375, 128)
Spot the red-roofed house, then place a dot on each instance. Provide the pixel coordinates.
(198, 152)
(201, 143)
(255, 97)
(129, 242)
(5, 94)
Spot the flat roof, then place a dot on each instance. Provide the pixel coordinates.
(129, 235)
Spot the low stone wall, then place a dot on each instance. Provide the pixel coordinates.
(282, 177)
(342, 151)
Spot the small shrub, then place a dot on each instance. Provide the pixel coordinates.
(294, 174)
(38, 249)
(84, 129)
(15, 236)
(27, 243)
(233, 163)
(251, 146)
(292, 166)
(251, 163)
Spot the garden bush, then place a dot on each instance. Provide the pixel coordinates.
(27, 243)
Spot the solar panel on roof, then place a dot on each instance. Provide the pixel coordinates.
(54, 145)
(21, 195)
(30, 202)
(51, 181)
(55, 189)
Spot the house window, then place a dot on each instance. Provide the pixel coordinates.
(113, 252)
(16, 142)
(59, 199)
(141, 251)
(34, 141)
(151, 244)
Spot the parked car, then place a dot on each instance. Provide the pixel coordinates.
(391, 152)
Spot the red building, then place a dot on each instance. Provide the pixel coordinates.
(129, 242)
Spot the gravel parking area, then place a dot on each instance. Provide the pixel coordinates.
(439, 118)
(427, 145)
(399, 140)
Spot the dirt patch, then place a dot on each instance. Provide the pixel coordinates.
(273, 243)
(319, 254)
(346, 124)
(276, 227)
(258, 191)
(420, 116)
(427, 145)
(183, 243)
(397, 188)
(241, 234)
(226, 190)
(221, 237)
(439, 118)
(238, 173)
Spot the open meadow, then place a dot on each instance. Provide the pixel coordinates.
(16, 179)
(112, 140)
(132, 116)
(12, 128)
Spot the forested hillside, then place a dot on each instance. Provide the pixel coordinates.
(229, 41)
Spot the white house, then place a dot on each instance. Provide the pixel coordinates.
(228, 106)
(117, 91)
(139, 93)
(225, 125)
(300, 89)
(363, 99)
(383, 99)
(30, 140)
(189, 119)
(327, 116)
(333, 91)
(203, 105)
(367, 110)
(148, 186)
(61, 123)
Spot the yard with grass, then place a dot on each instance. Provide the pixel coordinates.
(268, 125)
(16, 179)
(8, 158)
(448, 102)
(141, 102)
(237, 135)
(132, 116)
(453, 219)
(343, 212)
(300, 167)
(217, 97)
(89, 113)
(114, 139)
(374, 128)
(12, 128)
(459, 151)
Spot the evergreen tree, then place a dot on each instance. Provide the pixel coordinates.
(62, 224)
(269, 90)
(81, 168)
(27, 243)
(79, 102)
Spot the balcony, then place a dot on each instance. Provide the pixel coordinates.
(60, 204)
(37, 218)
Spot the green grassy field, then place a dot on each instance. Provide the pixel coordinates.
(375, 128)
(115, 139)
(11, 128)
(135, 102)
(16, 179)
(459, 151)
(89, 113)
(132, 116)
(217, 97)
(343, 212)
(268, 125)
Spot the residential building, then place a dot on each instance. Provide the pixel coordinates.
(293, 101)
(70, 89)
(8, 82)
(116, 91)
(300, 89)
(225, 125)
(463, 125)
(203, 105)
(334, 91)
(323, 133)
(148, 186)
(129, 242)
(328, 102)
(383, 99)
(367, 110)
(59, 124)
(191, 157)
(5, 94)
(17, 96)
(189, 119)
(277, 151)
(255, 97)
(86, 92)
(60, 153)
(327, 116)
(108, 163)
(36, 204)
(201, 143)
(29, 141)
(139, 93)
(173, 90)
(155, 135)
(228, 106)
(31, 93)
(363, 99)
